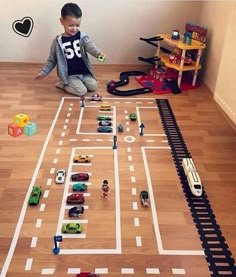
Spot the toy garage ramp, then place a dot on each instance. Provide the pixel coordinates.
(124, 80)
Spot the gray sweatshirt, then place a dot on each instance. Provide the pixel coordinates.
(57, 57)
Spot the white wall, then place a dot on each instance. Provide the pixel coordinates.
(115, 26)
(214, 15)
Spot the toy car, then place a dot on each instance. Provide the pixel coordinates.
(120, 128)
(103, 117)
(104, 129)
(96, 97)
(35, 195)
(79, 187)
(105, 107)
(87, 274)
(80, 177)
(105, 123)
(72, 228)
(144, 197)
(60, 176)
(82, 159)
(176, 59)
(133, 116)
(75, 198)
(76, 211)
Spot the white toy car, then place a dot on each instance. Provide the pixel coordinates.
(60, 177)
(194, 183)
(96, 97)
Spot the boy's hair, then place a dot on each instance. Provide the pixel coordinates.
(71, 9)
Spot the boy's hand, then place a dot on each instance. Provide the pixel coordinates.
(39, 76)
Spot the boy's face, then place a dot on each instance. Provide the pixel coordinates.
(71, 24)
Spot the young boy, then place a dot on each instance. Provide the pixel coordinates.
(69, 52)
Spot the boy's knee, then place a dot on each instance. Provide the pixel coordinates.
(79, 91)
(91, 84)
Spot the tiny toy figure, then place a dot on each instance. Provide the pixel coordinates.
(105, 189)
(82, 101)
(141, 129)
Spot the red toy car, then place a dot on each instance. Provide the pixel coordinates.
(176, 59)
(87, 274)
(75, 198)
(80, 177)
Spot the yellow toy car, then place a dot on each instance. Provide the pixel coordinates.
(105, 107)
(82, 159)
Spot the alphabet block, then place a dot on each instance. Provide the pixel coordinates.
(30, 129)
(14, 130)
(21, 119)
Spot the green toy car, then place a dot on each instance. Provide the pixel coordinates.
(103, 117)
(35, 195)
(120, 128)
(72, 228)
(104, 129)
(79, 187)
(133, 116)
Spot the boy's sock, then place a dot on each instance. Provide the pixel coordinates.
(59, 85)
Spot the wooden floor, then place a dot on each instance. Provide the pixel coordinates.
(210, 140)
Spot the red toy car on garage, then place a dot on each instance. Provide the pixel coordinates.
(87, 274)
(75, 198)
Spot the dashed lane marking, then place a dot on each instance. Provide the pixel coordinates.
(125, 111)
(28, 264)
(178, 271)
(128, 149)
(63, 134)
(139, 102)
(136, 222)
(70, 109)
(150, 102)
(42, 207)
(127, 123)
(138, 241)
(65, 127)
(47, 271)
(55, 161)
(134, 191)
(117, 102)
(68, 115)
(66, 120)
(135, 205)
(58, 151)
(126, 117)
(34, 242)
(99, 139)
(73, 139)
(152, 271)
(130, 158)
(71, 104)
(46, 193)
(60, 142)
(52, 170)
(73, 271)
(49, 182)
(133, 179)
(101, 270)
(86, 139)
(131, 168)
(164, 140)
(127, 129)
(38, 223)
(150, 140)
(127, 271)
(127, 102)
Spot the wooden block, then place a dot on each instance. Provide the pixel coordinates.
(30, 129)
(14, 130)
(21, 119)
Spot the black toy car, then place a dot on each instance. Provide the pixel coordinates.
(76, 211)
(105, 123)
(144, 197)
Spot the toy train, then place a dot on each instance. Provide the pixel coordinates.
(193, 177)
